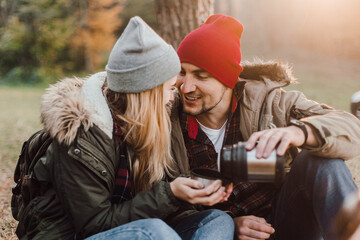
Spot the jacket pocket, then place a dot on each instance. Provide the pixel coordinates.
(85, 153)
(266, 122)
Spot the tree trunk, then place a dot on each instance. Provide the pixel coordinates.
(176, 18)
(7, 9)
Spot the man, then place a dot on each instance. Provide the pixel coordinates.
(217, 108)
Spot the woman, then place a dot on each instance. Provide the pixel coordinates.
(104, 172)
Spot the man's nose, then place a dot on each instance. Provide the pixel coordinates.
(187, 84)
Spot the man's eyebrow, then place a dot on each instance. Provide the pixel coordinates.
(197, 71)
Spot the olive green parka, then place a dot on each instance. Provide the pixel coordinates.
(77, 174)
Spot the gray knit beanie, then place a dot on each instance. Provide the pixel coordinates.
(140, 59)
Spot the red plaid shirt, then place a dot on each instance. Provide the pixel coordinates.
(247, 198)
(123, 185)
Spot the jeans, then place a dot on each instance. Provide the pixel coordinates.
(144, 229)
(310, 198)
(208, 224)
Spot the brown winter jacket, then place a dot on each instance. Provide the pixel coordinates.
(265, 104)
(77, 174)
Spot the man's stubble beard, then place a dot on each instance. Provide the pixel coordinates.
(203, 107)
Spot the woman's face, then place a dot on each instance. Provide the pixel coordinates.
(169, 87)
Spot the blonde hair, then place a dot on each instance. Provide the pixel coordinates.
(144, 119)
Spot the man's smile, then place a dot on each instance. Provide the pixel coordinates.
(191, 99)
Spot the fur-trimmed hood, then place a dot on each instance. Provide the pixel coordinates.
(73, 102)
(275, 71)
(264, 76)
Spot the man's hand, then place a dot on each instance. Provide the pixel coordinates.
(193, 191)
(252, 227)
(267, 140)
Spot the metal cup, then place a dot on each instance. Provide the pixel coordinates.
(208, 176)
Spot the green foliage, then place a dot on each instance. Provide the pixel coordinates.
(43, 40)
(11, 43)
(35, 39)
(35, 76)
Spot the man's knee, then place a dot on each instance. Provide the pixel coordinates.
(305, 161)
(309, 170)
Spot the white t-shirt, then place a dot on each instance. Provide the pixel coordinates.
(215, 135)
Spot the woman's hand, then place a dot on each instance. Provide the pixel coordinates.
(194, 192)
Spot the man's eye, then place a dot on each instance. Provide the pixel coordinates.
(182, 73)
(202, 77)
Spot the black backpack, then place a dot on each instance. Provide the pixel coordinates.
(26, 187)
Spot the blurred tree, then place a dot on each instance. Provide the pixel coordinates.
(99, 21)
(44, 38)
(34, 35)
(143, 8)
(7, 8)
(176, 18)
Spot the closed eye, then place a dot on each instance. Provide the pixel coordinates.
(201, 76)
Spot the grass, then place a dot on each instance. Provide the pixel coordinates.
(19, 118)
(20, 109)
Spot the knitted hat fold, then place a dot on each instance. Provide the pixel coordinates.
(140, 59)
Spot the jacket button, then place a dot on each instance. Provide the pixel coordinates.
(103, 172)
(77, 151)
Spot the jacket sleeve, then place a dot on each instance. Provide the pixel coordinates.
(85, 194)
(177, 140)
(337, 131)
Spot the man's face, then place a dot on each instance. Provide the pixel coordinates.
(200, 91)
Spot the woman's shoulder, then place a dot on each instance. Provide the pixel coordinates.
(75, 103)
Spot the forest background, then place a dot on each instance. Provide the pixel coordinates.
(43, 41)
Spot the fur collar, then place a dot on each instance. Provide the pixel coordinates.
(275, 71)
(273, 74)
(73, 103)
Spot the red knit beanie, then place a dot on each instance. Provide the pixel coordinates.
(215, 47)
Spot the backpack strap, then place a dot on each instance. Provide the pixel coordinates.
(24, 158)
(26, 187)
(44, 142)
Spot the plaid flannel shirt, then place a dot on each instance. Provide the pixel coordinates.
(246, 198)
(123, 185)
